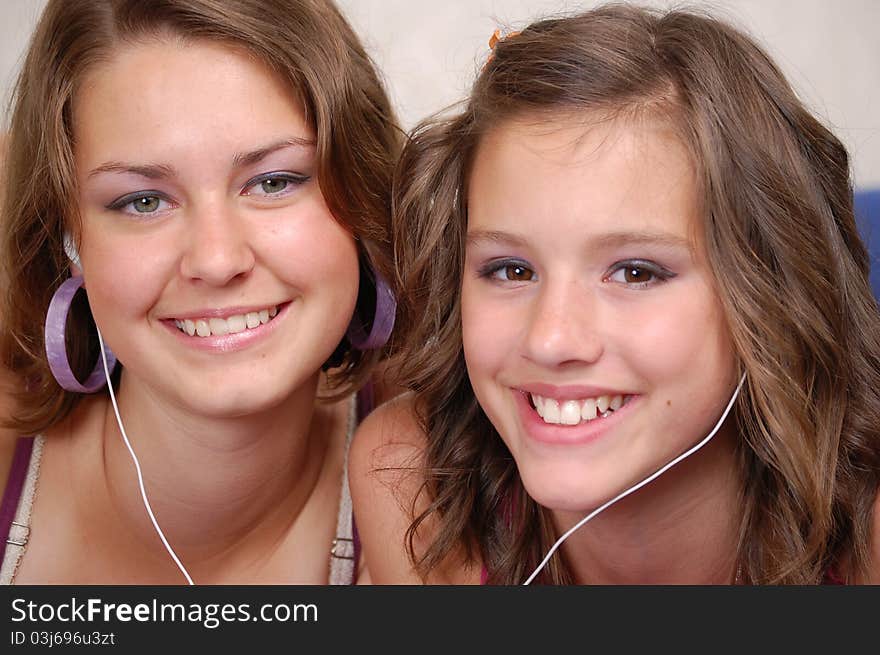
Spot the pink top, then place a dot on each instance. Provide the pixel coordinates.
(14, 485)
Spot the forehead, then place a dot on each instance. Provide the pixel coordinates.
(586, 172)
(154, 95)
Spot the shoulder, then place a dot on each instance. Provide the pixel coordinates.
(385, 473)
(386, 476)
(390, 435)
(387, 455)
(383, 463)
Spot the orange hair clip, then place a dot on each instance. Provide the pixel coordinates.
(494, 40)
(497, 36)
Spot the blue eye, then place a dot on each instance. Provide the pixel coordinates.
(638, 274)
(276, 184)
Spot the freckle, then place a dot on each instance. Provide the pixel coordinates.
(669, 403)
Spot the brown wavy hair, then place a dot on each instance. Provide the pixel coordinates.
(789, 266)
(308, 43)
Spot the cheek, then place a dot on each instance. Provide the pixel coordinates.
(314, 252)
(124, 272)
(686, 350)
(488, 347)
(493, 326)
(483, 332)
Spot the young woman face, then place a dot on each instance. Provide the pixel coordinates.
(213, 267)
(593, 337)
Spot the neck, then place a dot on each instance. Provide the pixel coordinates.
(214, 484)
(682, 528)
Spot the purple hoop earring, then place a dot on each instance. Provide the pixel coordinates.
(56, 350)
(383, 321)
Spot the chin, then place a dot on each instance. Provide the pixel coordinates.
(234, 403)
(572, 492)
(563, 503)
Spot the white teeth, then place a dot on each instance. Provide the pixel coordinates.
(218, 326)
(539, 405)
(572, 412)
(588, 410)
(551, 411)
(206, 327)
(236, 323)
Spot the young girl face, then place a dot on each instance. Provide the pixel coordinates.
(212, 264)
(593, 337)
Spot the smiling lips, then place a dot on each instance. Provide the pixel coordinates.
(213, 326)
(575, 411)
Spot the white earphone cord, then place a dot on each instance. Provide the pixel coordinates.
(137, 467)
(641, 484)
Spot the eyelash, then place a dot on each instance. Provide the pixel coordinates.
(129, 199)
(659, 274)
(294, 178)
(491, 268)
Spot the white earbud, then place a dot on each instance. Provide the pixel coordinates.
(70, 249)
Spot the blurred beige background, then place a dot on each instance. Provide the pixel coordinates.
(429, 52)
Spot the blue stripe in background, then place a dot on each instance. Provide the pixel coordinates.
(867, 207)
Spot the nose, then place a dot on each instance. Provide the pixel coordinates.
(217, 249)
(564, 325)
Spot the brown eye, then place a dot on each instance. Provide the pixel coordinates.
(518, 273)
(504, 271)
(639, 274)
(636, 275)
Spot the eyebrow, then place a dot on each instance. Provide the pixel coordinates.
(248, 158)
(162, 171)
(150, 171)
(477, 237)
(607, 240)
(665, 239)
